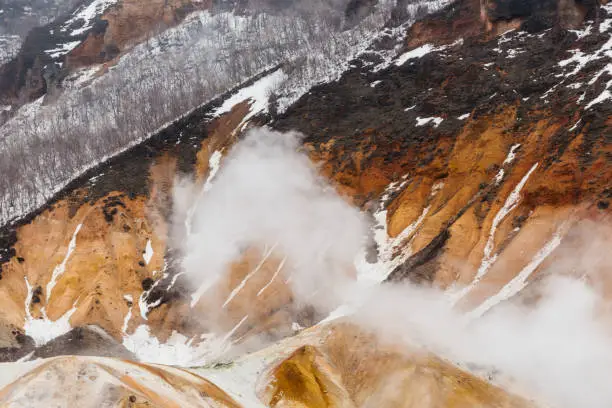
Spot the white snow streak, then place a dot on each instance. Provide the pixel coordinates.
(213, 167)
(214, 163)
(520, 281)
(425, 121)
(148, 255)
(280, 267)
(62, 49)
(511, 154)
(142, 301)
(126, 321)
(234, 329)
(489, 257)
(242, 284)
(509, 159)
(388, 259)
(61, 268)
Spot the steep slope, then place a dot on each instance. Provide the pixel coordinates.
(497, 149)
(94, 32)
(187, 66)
(479, 154)
(352, 369)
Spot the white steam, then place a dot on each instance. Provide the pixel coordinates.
(268, 194)
(555, 352)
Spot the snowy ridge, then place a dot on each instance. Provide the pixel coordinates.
(29, 384)
(241, 378)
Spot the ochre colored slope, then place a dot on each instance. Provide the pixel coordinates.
(354, 369)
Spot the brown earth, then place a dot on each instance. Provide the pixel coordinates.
(353, 368)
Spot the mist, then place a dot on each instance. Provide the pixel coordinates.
(556, 350)
(267, 193)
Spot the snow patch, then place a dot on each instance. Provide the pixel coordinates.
(416, 53)
(43, 330)
(87, 16)
(148, 255)
(604, 96)
(257, 94)
(178, 350)
(62, 49)
(511, 154)
(425, 121)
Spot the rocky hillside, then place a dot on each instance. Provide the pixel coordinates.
(92, 33)
(475, 142)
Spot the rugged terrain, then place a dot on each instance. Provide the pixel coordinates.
(476, 140)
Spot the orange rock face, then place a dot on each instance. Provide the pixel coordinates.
(129, 23)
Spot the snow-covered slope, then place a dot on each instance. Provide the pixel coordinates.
(9, 46)
(184, 67)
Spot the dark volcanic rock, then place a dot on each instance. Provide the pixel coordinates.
(84, 341)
